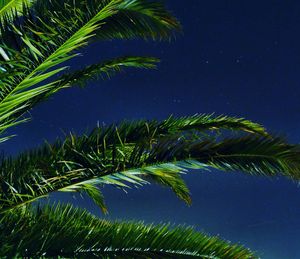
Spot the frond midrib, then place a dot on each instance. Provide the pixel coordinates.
(132, 169)
(144, 251)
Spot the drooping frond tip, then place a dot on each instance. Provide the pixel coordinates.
(105, 69)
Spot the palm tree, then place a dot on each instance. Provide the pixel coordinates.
(37, 37)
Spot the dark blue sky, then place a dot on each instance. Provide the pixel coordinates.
(239, 58)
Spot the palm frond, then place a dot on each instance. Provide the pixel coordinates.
(105, 70)
(253, 155)
(29, 66)
(211, 122)
(134, 154)
(102, 70)
(139, 19)
(11, 8)
(66, 232)
(33, 48)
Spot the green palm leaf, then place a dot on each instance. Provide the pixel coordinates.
(105, 69)
(134, 154)
(131, 18)
(74, 233)
(34, 48)
(102, 70)
(40, 58)
(11, 8)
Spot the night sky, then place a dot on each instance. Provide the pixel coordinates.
(239, 58)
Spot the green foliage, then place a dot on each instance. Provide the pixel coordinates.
(34, 47)
(136, 153)
(9, 9)
(37, 37)
(73, 233)
(105, 69)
